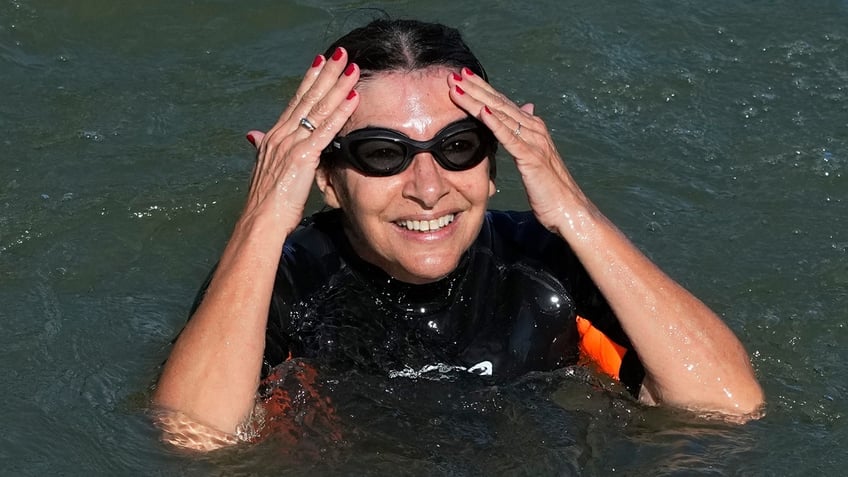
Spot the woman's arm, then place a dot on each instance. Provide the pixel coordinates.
(213, 371)
(691, 358)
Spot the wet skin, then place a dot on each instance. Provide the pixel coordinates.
(384, 212)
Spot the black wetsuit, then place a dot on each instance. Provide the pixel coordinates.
(508, 308)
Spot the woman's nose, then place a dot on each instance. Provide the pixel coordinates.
(426, 182)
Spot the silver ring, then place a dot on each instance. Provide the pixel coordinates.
(517, 131)
(307, 124)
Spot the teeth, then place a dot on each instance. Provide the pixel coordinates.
(426, 225)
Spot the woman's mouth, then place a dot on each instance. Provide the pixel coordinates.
(426, 225)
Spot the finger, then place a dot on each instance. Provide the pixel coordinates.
(477, 88)
(484, 91)
(471, 104)
(341, 107)
(502, 124)
(306, 84)
(308, 80)
(333, 98)
(330, 74)
(321, 124)
(255, 137)
(320, 76)
(309, 115)
(469, 76)
(304, 145)
(506, 129)
(528, 108)
(299, 153)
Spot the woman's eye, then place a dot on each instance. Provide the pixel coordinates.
(379, 151)
(461, 143)
(383, 154)
(458, 145)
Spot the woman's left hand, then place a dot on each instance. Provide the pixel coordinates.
(552, 192)
(664, 322)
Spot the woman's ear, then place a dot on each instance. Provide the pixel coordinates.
(326, 184)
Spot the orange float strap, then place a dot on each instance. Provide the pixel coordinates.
(598, 349)
(293, 406)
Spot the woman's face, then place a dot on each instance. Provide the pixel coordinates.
(383, 212)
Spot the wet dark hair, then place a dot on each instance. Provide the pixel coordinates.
(387, 45)
(406, 45)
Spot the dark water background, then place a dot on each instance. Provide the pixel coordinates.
(714, 133)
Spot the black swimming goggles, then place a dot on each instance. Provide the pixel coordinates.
(385, 152)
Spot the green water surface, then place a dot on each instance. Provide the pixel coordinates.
(715, 134)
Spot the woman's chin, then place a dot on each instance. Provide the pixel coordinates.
(426, 271)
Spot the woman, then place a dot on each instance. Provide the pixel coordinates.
(397, 125)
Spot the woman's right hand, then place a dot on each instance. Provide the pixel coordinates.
(213, 371)
(289, 153)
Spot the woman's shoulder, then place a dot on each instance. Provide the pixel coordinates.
(518, 228)
(515, 216)
(517, 236)
(316, 246)
(317, 234)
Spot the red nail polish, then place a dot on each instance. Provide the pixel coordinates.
(350, 69)
(352, 94)
(457, 77)
(337, 55)
(459, 90)
(250, 138)
(317, 61)
(486, 108)
(468, 72)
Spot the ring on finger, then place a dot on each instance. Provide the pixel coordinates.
(517, 131)
(307, 124)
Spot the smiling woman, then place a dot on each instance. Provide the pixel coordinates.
(386, 216)
(398, 125)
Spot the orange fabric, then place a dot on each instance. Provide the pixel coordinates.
(597, 348)
(294, 406)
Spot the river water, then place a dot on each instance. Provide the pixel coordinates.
(715, 134)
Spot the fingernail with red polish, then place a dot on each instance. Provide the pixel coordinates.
(468, 71)
(350, 69)
(457, 77)
(352, 94)
(459, 90)
(337, 55)
(250, 138)
(486, 108)
(317, 61)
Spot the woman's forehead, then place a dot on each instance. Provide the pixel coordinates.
(415, 103)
